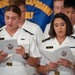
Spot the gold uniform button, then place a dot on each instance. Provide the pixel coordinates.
(56, 72)
(9, 63)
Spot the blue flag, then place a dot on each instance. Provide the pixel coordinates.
(42, 11)
(2, 23)
(39, 11)
(3, 4)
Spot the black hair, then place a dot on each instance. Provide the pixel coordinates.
(69, 3)
(69, 28)
(14, 9)
(17, 2)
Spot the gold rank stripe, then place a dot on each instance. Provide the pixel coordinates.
(40, 5)
(29, 15)
(3, 3)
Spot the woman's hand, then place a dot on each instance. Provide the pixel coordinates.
(2, 55)
(64, 62)
(20, 50)
(52, 66)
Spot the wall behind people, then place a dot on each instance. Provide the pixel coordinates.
(38, 11)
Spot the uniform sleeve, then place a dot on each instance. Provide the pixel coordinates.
(43, 61)
(33, 49)
(39, 36)
(46, 31)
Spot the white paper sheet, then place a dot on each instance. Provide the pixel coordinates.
(9, 46)
(63, 52)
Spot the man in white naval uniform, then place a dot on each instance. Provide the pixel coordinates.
(36, 32)
(32, 28)
(26, 53)
(69, 10)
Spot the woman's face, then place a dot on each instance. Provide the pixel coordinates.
(11, 20)
(60, 27)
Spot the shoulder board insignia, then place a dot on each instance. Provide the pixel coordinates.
(73, 37)
(28, 32)
(1, 38)
(72, 47)
(46, 39)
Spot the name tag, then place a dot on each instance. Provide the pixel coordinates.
(49, 47)
(22, 39)
(72, 47)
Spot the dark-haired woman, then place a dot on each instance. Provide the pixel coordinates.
(27, 52)
(60, 36)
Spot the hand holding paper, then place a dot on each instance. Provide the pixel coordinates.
(9, 46)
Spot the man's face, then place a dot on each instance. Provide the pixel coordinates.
(22, 8)
(58, 6)
(70, 12)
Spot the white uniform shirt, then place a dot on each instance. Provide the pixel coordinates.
(35, 30)
(38, 36)
(47, 30)
(69, 41)
(74, 28)
(18, 67)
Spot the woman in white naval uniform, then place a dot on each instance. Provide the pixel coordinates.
(29, 27)
(27, 52)
(60, 32)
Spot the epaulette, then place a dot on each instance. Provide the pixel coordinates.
(46, 39)
(28, 32)
(73, 37)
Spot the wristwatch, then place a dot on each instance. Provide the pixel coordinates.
(27, 56)
(72, 66)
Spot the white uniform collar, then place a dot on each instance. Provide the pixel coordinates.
(4, 32)
(73, 31)
(64, 42)
(24, 25)
(74, 28)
